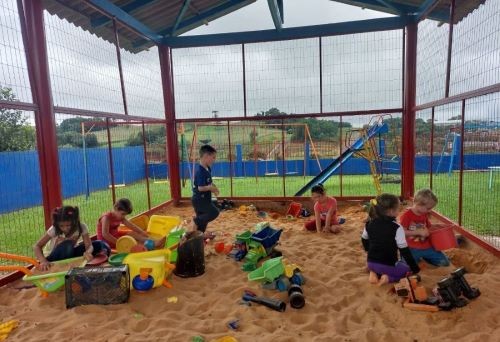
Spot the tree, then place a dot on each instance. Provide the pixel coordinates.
(15, 132)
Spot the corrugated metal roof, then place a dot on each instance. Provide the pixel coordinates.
(160, 15)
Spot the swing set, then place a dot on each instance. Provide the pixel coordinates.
(271, 157)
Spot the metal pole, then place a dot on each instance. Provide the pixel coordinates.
(408, 153)
(85, 169)
(120, 69)
(146, 169)
(340, 153)
(230, 158)
(244, 81)
(461, 181)
(283, 155)
(111, 167)
(450, 44)
(171, 129)
(320, 77)
(432, 149)
(33, 32)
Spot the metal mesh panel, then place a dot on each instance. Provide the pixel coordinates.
(475, 59)
(447, 152)
(423, 155)
(208, 82)
(481, 177)
(13, 69)
(283, 75)
(21, 212)
(142, 78)
(84, 166)
(362, 71)
(158, 168)
(432, 50)
(84, 69)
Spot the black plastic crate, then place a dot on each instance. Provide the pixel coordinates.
(97, 285)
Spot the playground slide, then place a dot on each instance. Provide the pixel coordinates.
(377, 128)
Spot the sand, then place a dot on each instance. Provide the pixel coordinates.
(340, 303)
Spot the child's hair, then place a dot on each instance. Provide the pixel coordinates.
(425, 196)
(67, 214)
(318, 189)
(207, 149)
(381, 204)
(123, 204)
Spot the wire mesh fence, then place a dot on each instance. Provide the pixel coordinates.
(475, 57)
(362, 71)
(21, 213)
(13, 68)
(83, 70)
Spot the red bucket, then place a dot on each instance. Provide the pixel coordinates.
(443, 238)
(294, 209)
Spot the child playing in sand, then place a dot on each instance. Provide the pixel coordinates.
(381, 238)
(107, 226)
(60, 241)
(415, 221)
(203, 188)
(325, 212)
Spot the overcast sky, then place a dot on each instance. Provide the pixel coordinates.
(359, 71)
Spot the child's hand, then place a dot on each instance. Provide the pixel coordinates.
(88, 255)
(44, 265)
(424, 232)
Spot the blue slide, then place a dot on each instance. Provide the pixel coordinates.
(378, 128)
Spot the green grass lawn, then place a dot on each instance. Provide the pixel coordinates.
(20, 229)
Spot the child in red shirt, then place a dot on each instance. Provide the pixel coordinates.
(415, 221)
(107, 226)
(325, 212)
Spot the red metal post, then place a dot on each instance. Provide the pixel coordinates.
(230, 158)
(33, 31)
(461, 181)
(244, 81)
(120, 69)
(432, 148)
(111, 167)
(146, 168)
(171, 129)
(320, 77)
(450, 44)
(283, 155)
(408, 153)
(340, 153)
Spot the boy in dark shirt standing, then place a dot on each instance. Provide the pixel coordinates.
(203, 187)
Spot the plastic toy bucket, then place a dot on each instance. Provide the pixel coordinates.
(294, 209)
(191, 256)
(443, 238)
(173, 238)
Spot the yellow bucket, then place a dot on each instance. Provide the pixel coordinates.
(155, 260)
(159, 225)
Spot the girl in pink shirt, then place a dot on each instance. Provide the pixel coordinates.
(325, 212)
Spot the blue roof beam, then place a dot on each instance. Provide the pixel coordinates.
(425, 9)
(390, 5)
(124, 18)
(276, 9)
(206, 16)
(359, 26)
(183, 10)
(130, 7)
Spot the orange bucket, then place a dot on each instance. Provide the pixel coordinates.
(442, 238)
(294, 209)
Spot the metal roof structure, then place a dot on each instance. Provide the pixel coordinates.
(144, 23)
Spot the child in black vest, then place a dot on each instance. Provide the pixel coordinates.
(382, 238)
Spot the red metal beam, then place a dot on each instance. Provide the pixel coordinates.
(461, 175)
(432, 150)
(230, 157)
(98, 114)
(297, 116)
(120, 69)
(450, 45)
(469, 235)
(4, 104)
(171, 126)
(494, 88)
(146, 168)
(111, 166)
(408, 149)
(33, 31)
(320, 76)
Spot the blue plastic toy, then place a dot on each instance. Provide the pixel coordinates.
(149, 244)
